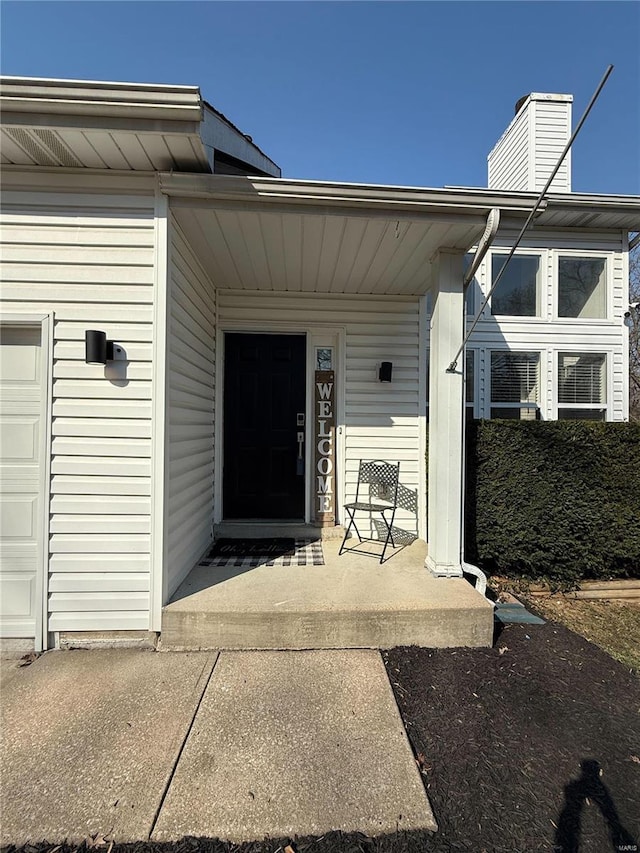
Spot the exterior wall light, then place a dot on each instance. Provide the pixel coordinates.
(97, 349)
(384, 374)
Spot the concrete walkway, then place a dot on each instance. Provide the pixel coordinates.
(133, 745)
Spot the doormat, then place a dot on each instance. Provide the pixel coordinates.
(304, 552)
(253, 547)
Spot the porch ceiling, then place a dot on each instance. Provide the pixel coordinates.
(320, 252)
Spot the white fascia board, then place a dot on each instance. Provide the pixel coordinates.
(265, 190)
(190, 189)
(80, 97)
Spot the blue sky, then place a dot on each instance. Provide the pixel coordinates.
(410, 93)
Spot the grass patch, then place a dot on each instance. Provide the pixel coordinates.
(611, 625)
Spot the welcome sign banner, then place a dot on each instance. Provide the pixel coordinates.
(325, 448)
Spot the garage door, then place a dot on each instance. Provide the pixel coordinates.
(21, 424)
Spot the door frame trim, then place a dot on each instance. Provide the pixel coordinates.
(43, 320)
(291, 328)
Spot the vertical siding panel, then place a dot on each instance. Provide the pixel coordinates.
(192, 324)
(83, 248)
(509, 161)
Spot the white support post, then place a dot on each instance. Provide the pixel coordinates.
(446, 421)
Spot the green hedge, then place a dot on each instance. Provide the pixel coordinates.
(554, 499)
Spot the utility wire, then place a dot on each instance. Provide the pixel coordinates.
(452, 367)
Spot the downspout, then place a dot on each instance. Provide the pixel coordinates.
(486, 241)
(493, 223)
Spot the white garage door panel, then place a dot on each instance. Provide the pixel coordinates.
(19, 517)
(20, 480)
(19, 439)
(17, 591)
(20, 363)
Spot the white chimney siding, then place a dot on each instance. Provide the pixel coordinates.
(526, 153)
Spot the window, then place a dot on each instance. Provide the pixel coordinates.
(472, 287)
(324, 358)
(581, 386)
(518, 292)
(470, 382)
(582, 287)
(515, 384)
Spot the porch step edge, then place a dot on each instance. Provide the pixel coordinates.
(443, 628)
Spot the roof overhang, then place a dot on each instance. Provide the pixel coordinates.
(593, 212)
(103, 125)
(327, 237)
(283, 235)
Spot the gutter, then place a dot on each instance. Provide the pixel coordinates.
(269, 190)
(44, 96)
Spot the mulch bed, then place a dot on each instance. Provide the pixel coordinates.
(508, 739)
(532, 745)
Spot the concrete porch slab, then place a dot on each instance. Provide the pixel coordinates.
(350, 602)
(90, 739)
(299, 743)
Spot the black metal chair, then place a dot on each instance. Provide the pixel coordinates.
(376, 494)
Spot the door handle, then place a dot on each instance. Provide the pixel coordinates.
(300, 459)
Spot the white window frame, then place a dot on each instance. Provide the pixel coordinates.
(542, 296)
(607, 406)
(608, 276)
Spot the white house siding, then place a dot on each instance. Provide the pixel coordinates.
(509, 161)
(551, 129)
(82, 246)
(528, 150)
(549, 334)
(379, 420)
(191, 334)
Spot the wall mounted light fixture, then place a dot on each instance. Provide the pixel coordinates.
(384, 374)
(97, 349)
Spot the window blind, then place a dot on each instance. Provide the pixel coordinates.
(515, 377)
(581, 377)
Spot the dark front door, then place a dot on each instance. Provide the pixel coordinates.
(264, 400)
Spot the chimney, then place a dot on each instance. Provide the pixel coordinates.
(526, 153)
